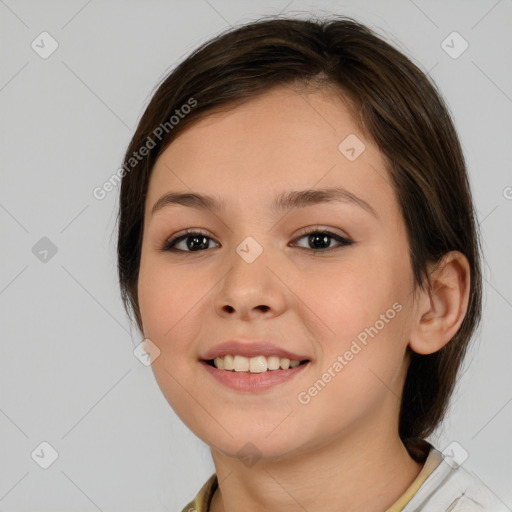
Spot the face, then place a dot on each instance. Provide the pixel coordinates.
(327, 280)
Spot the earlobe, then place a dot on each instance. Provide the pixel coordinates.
(442, 306)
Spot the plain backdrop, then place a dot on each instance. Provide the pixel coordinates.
(68, 375)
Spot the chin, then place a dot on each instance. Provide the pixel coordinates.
(249, 452)
(253, 446)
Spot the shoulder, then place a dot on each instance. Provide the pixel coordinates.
(201, 502)
(452, 488)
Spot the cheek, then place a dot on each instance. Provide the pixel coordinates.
(359, 369)
(351, 296)
(171, 305)
(169, 300)
(360, 313)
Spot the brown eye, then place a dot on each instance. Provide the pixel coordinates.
(320, 240)
(192, 241)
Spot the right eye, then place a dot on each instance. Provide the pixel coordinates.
(192, 240)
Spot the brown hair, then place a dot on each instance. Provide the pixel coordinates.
(394, 102)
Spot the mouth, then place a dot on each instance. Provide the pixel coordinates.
(255, 374)
(255, 365)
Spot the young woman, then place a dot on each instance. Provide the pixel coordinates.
(297, 242)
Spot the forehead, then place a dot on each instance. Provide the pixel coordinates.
(281, 140)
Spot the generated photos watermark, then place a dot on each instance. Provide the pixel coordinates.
(159, 132)
(357, 345)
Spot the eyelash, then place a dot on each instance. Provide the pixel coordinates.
(344, 242)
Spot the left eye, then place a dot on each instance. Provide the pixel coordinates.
(195, 241)
(320, 239)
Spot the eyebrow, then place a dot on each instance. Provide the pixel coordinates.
(284, 201)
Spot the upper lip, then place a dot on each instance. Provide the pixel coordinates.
(250, 349)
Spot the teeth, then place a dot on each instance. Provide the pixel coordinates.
(273, 362)
(228, 362)
(258, 364)
(241, 364)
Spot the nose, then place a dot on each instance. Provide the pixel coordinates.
(250, 290)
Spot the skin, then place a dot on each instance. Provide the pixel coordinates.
(345, 441)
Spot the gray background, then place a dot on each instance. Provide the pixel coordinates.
(68, 374)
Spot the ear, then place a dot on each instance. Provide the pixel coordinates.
(442, 306)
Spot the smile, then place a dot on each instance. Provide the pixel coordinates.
(258, 364)
(253, 374)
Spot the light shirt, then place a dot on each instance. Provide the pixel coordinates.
(441, 486)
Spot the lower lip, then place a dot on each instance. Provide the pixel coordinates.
(245, 381)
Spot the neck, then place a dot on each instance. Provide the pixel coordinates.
(356, 473)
